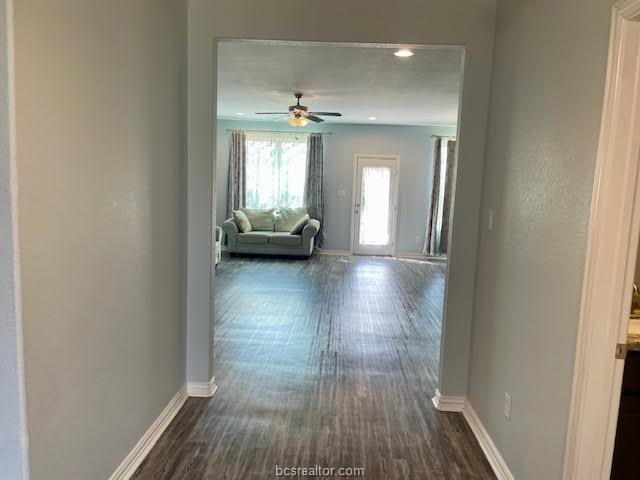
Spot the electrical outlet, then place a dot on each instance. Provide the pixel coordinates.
(490, 220)
(507, 406)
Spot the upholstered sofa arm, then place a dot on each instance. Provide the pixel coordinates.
(230, 226)
(231, 229)
(311, 229)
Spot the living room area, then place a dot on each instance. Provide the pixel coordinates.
(365, 148)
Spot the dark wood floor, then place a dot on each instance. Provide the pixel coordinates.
(332, 362)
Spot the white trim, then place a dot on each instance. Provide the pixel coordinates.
(322, 251)
(396, 212)
(352, 215)
(428, 260)
(11, 324)
(135, 457)
(491, 452)
(422, 256)
(445, 403)
(412, 255)
(202, 389)
(448, 404)
(614, 229)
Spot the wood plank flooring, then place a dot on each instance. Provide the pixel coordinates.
(330, 361)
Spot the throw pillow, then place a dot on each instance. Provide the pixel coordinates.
(243, 223)
(299, 226)
(286, 218)
(260, 219)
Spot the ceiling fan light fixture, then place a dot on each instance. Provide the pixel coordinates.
(403, 53)
(298, 122)
(300, 115)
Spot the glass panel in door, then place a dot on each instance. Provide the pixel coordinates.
(374, 206)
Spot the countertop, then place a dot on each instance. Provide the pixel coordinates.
(633, 336)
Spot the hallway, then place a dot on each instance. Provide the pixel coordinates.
(331, 362)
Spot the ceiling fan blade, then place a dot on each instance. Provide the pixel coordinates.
(327, 114)
(279, 118)
(313, 118)
(271, 113)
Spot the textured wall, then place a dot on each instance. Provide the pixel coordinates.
(413, 144)
(548, 83)
(100, 147)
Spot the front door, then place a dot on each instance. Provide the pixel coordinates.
(375, 205)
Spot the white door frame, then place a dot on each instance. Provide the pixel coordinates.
(394, 224)
(614, 230)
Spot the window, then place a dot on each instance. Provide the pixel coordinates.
(276, 165)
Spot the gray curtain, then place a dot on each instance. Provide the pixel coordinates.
(237, 171)
(431, 238)
(446, 205)
(437, 236)
(314, 194)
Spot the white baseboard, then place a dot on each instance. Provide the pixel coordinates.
(139, 452)
(321, 251)
(448, 404)
(461, 404)
(202, 389)
(494, 457)
(412, 255)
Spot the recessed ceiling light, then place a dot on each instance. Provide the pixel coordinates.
(372, 118)
(403, 52)
(240, 113)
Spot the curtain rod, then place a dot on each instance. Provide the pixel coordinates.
(443, 136)
(277, 131)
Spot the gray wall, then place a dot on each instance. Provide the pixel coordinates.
(413, 144)
(99, 138)
(13, 429)
(455, 22)
(548, 83)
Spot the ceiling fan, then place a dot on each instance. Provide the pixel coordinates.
(299, 115)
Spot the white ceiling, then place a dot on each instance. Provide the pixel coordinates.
(359, 82)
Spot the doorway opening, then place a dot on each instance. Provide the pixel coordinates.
(309, 339)
(614, 231)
